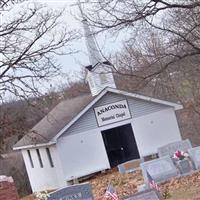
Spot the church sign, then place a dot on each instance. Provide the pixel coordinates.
(112, 113)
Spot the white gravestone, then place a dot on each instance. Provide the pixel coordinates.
(194, 154)
(160, 169)
(170, 148)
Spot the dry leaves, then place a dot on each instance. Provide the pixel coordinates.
(126, 184)
(181, 182)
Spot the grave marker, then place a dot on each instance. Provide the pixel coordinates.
(74, 192)
(160, 169)
(129, 166)
(184, 166)
(145, 195)
(170, 148)
(194, 154)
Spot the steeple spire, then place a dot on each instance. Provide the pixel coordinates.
(94, 55)
(98, 76)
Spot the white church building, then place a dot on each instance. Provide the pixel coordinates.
(96, 131)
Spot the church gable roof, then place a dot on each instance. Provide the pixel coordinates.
(54, 121)
(90, 67)
(66, 113)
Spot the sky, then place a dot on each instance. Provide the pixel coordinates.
(71, 64)
(107, 43)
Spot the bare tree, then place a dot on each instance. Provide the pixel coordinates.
(30, 42)
(4, 4)
(177, 22)
(178, 82)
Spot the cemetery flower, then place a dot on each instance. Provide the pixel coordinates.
(180, 155)
(42, 195)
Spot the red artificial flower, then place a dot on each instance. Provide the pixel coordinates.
(178, 154)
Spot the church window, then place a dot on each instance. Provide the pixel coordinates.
(91, 82)
(49, 157)
(30, 158)
(103, 78)
(39, 158)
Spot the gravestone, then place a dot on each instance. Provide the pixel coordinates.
(184, 166)
(74, 192)
(170, 148)
(194, 154)
(145, 195)
(129, 166)
(160, 169)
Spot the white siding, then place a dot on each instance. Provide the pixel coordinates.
(82, 154)
(137, 108)
(154, 130)
(97, 84)
(76, 155)
(94, 78)
(45, 178)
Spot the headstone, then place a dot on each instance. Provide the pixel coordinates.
(74, 192)
(145, 195)
(170, 148)
(160, 169)
(184, 166)
(129, 166)
(194, 154)
(121, 169)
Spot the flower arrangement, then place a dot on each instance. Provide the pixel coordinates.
(42, 195)
(180, 155)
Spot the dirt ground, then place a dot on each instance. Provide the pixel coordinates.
(184, 188)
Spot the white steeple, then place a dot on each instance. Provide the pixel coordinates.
(99, 75)
(94, 55)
